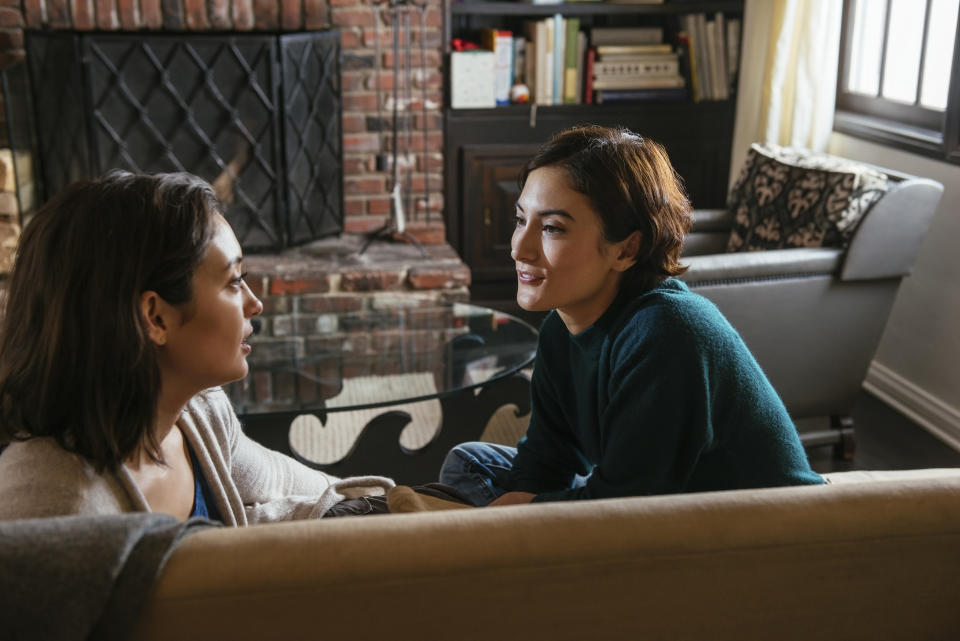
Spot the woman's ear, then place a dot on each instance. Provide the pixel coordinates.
(156, 316)
(627, 251)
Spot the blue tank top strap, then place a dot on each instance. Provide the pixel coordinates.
(203, 503)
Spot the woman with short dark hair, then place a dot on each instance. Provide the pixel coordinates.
(126, 309)
(639, 385)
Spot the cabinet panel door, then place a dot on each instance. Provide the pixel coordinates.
(490, 192)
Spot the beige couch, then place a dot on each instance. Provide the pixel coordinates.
(871, 556)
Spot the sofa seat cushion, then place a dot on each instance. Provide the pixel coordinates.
(790, 197)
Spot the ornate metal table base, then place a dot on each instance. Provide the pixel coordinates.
(377, 450)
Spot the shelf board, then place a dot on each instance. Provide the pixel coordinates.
(588, 8)
(522, 111)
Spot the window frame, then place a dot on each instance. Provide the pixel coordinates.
(909, 127)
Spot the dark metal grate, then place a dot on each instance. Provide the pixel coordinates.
(210, 105)
(197, 104)
(63, 144)
(311, 98)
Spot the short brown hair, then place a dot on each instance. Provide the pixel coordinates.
(76, 362)
(632, 187)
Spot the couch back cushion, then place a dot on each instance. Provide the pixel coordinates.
(791, 197)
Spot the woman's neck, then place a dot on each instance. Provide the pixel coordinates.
(168, 412)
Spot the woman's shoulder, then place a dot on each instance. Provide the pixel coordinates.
(669, 305)
(669, 314)
(39, 478)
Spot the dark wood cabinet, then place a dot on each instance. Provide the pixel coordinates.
(485, 149)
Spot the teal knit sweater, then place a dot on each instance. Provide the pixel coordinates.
(659, 396)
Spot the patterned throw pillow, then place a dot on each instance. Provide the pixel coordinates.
(791, 197)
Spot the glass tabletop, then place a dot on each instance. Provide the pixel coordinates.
(401, 350)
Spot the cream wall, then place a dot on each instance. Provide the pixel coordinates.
(917, 366)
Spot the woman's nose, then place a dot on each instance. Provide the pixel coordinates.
(523, 245)
(253, 306)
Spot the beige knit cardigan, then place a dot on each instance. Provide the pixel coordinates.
(250, 483)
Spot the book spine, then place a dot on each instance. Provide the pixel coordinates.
(570, 61)
(638, 82)
(546, 64)
(588, 77)
(637, 68)
(688, 40)
(625, 35)
(703, 62)
(640, 95)
(559, 57)
(723, 79)
(638, 50)
(581, 63)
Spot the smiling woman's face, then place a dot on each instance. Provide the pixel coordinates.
(563, 261)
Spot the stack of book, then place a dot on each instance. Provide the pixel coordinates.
(712, 48)
(554, 51)
(629, 64)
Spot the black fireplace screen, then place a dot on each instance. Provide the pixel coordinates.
(258, 116)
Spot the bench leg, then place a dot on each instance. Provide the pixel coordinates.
(847, 444)
(840, 436)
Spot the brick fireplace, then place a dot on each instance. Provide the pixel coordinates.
(299, 283)
(303, 287)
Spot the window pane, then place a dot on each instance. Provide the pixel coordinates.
(939, 56)
(904, 41)
(868, 17)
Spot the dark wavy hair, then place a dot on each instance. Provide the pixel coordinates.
(76, 362)
(632, 186)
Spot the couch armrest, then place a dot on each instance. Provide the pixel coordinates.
(779, 263)
(887, 242)
(708, 220)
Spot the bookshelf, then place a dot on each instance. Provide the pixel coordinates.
(484, 148)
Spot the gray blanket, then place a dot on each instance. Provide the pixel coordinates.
(82, 577)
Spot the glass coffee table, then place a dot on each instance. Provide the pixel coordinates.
(386, 389)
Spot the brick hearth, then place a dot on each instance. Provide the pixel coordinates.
(303, 289)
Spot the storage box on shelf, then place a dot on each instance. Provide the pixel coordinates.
(672, 93)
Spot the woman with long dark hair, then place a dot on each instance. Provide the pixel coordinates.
(126, 309)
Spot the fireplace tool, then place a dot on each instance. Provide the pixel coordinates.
(399, 12)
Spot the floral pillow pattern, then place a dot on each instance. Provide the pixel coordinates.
(790, 197)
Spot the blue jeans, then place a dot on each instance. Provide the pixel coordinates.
(481, 471)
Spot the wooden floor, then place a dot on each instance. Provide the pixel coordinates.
(886, 440)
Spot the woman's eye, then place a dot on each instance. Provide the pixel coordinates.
(519, 221)
(239, 279)
(551, 229)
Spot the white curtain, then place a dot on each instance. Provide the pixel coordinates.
(788, 75)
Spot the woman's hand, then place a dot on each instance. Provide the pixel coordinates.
(513, 498)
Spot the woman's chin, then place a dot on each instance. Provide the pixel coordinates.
(531, 303)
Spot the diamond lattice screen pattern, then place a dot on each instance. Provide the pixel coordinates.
(259, 116)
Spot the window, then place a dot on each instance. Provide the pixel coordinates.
(898, 82)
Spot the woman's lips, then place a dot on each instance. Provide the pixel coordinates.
(527, 277)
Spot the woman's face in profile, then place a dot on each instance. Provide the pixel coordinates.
(563, 261)
(208, 346)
